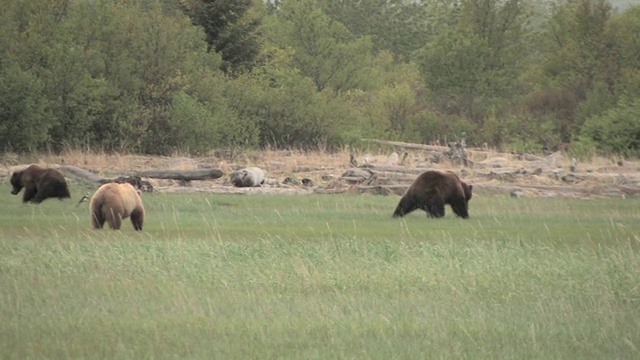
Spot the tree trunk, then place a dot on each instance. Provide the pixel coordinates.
(186, 175)
(80, 173)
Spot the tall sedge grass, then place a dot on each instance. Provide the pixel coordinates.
(322, 277)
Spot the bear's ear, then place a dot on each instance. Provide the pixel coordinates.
(16, 178)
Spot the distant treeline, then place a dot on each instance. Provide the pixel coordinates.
(160, 76)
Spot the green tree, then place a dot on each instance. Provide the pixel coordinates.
(399, 26)
(163, 55)
(24, 121)
(578, 41)
(616, 130)
(232, 29)
(324, 50)
(198, 128)
(577, 57)
(624, 30)
(473, 65)
(285, 106)
(106, 74)
(395, 97)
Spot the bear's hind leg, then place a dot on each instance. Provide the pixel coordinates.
(116, 222)
(435, 208)
(97, 220)
(60, 191)
(137, 218)
(114, 219)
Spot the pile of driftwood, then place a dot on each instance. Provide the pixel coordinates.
(518, 174)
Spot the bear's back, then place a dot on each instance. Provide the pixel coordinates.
(442, 181)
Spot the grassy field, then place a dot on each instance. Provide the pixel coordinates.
(331, 277)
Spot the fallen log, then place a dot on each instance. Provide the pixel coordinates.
(383, 189)
(395, 176)
(379, 168)
(298, 169)
(405, 145)
(562, 191)
(352, 179)
(81, 174)
(424, 147)
(184, 175)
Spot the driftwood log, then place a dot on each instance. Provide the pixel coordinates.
(391, 169)
(136, 181)
(405, 145)
(185, 175)
(81, 174)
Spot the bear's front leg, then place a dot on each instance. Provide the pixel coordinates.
(42, 193)
(29, 193)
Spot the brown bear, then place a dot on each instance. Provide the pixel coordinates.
(113, 202)
(39, 184)
(431, 190)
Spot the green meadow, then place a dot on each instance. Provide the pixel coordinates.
(321, 277)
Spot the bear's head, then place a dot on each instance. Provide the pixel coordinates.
(467, 190)
(467, 193)
(16, 182)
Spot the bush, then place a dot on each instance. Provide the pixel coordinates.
(616, 130)
(584, 149)
(427, 127)
(24, 122)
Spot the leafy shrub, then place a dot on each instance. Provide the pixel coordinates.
(583, 149)
(23, 118)
(616, 130)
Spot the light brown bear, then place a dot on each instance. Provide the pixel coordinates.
(431, 190)
(39, 184)
(113, 202)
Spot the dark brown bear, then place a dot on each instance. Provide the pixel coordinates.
(39, 184)
(432, 190)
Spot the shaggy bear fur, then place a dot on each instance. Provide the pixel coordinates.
(432, 190)
(113, 202)
(39, 184)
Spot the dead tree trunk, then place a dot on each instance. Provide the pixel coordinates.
(79, 173)
(185, 175)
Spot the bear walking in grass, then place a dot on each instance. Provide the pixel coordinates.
(431, 190)
(39, 184)
(114, 202)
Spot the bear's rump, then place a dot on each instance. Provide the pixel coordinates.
(118, 203)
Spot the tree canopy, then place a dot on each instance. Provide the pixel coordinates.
(159, 76)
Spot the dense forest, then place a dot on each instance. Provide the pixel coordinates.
(166, 76)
